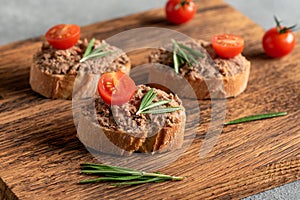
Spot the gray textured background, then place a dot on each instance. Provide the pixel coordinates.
(29, 18)
(21, 19)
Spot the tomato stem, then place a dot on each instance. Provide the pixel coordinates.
(181, 4)
(184, 2)
(282, 29)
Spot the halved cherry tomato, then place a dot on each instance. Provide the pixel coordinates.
(63, 36)
(116, 88)
(180, 11)
(227, 45)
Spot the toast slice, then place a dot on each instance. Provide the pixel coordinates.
(118, 130)
(213, 77)
(53, 72)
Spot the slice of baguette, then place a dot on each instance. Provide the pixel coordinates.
(221, 87)
(60, 86)
(117, 141)
(227, 77)
(53, 86)
(234, 82)
(56, 86)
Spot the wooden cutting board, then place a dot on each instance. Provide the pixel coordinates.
(40, 153)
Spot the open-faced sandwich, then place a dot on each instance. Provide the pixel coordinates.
(208, 66)
(125, 118)
(63, 55)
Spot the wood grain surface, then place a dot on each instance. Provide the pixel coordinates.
(40, 153)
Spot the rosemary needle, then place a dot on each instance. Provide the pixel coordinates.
(162, 110)
(255, 117)
(89, 48)
(176, 61)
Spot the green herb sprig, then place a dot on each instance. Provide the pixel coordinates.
(98, 52)
(147, 105)
(183, 54)
(123, 176)
(255, 117)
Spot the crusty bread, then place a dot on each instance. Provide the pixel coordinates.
(55, 86)
(232, 85)
(118, 142)
(229, 78)
(53, 72)
(103, 133)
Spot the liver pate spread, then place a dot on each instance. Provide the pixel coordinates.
(209, 66)
(53, 61)
(124, 118)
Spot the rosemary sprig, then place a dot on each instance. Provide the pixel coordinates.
(183, 54)
(255, 117)
(121, 175)
(98, 52)
(147, 105)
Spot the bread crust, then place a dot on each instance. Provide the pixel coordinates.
(232, 85)
(55, 86)
(117, 142)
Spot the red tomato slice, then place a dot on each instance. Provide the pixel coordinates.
(227, 45)
(63, 36)
(116, 88)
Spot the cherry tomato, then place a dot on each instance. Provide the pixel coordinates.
(63, 36)
(180, 11)
(116, 88)
(227, 45)
(278, 44)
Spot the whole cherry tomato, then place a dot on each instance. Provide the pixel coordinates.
(180, 11)
(227, 45)
(279, 41)
(116, 88)
(63, 36)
